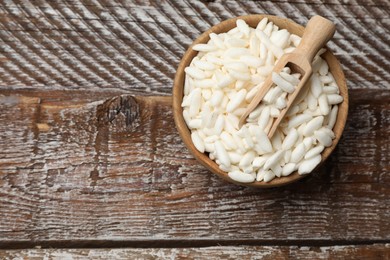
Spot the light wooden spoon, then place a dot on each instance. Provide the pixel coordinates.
(317, 33)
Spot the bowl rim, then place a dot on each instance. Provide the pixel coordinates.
(185, 133)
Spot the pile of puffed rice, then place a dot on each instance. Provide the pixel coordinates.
(222, 80)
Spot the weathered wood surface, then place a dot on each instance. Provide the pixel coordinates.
(117, 170)
(372, 252)
(79, 169)
(136, 45)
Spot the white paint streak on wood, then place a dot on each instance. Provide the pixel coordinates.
(130, 45)
(376, 251)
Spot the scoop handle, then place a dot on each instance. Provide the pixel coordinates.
(317, 33)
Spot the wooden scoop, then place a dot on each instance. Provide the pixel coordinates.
(317, 33)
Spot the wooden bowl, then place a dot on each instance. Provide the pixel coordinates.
(253, 20)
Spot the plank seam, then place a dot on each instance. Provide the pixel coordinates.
(183, 243)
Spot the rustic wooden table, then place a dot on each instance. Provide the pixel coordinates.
(91, 164)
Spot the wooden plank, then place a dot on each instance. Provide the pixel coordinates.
(76, 166)
(137, 45)
(372, 252)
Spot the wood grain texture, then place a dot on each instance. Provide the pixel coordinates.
(83, 164)
(135, 46)
(74, 167)
(372, 252)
